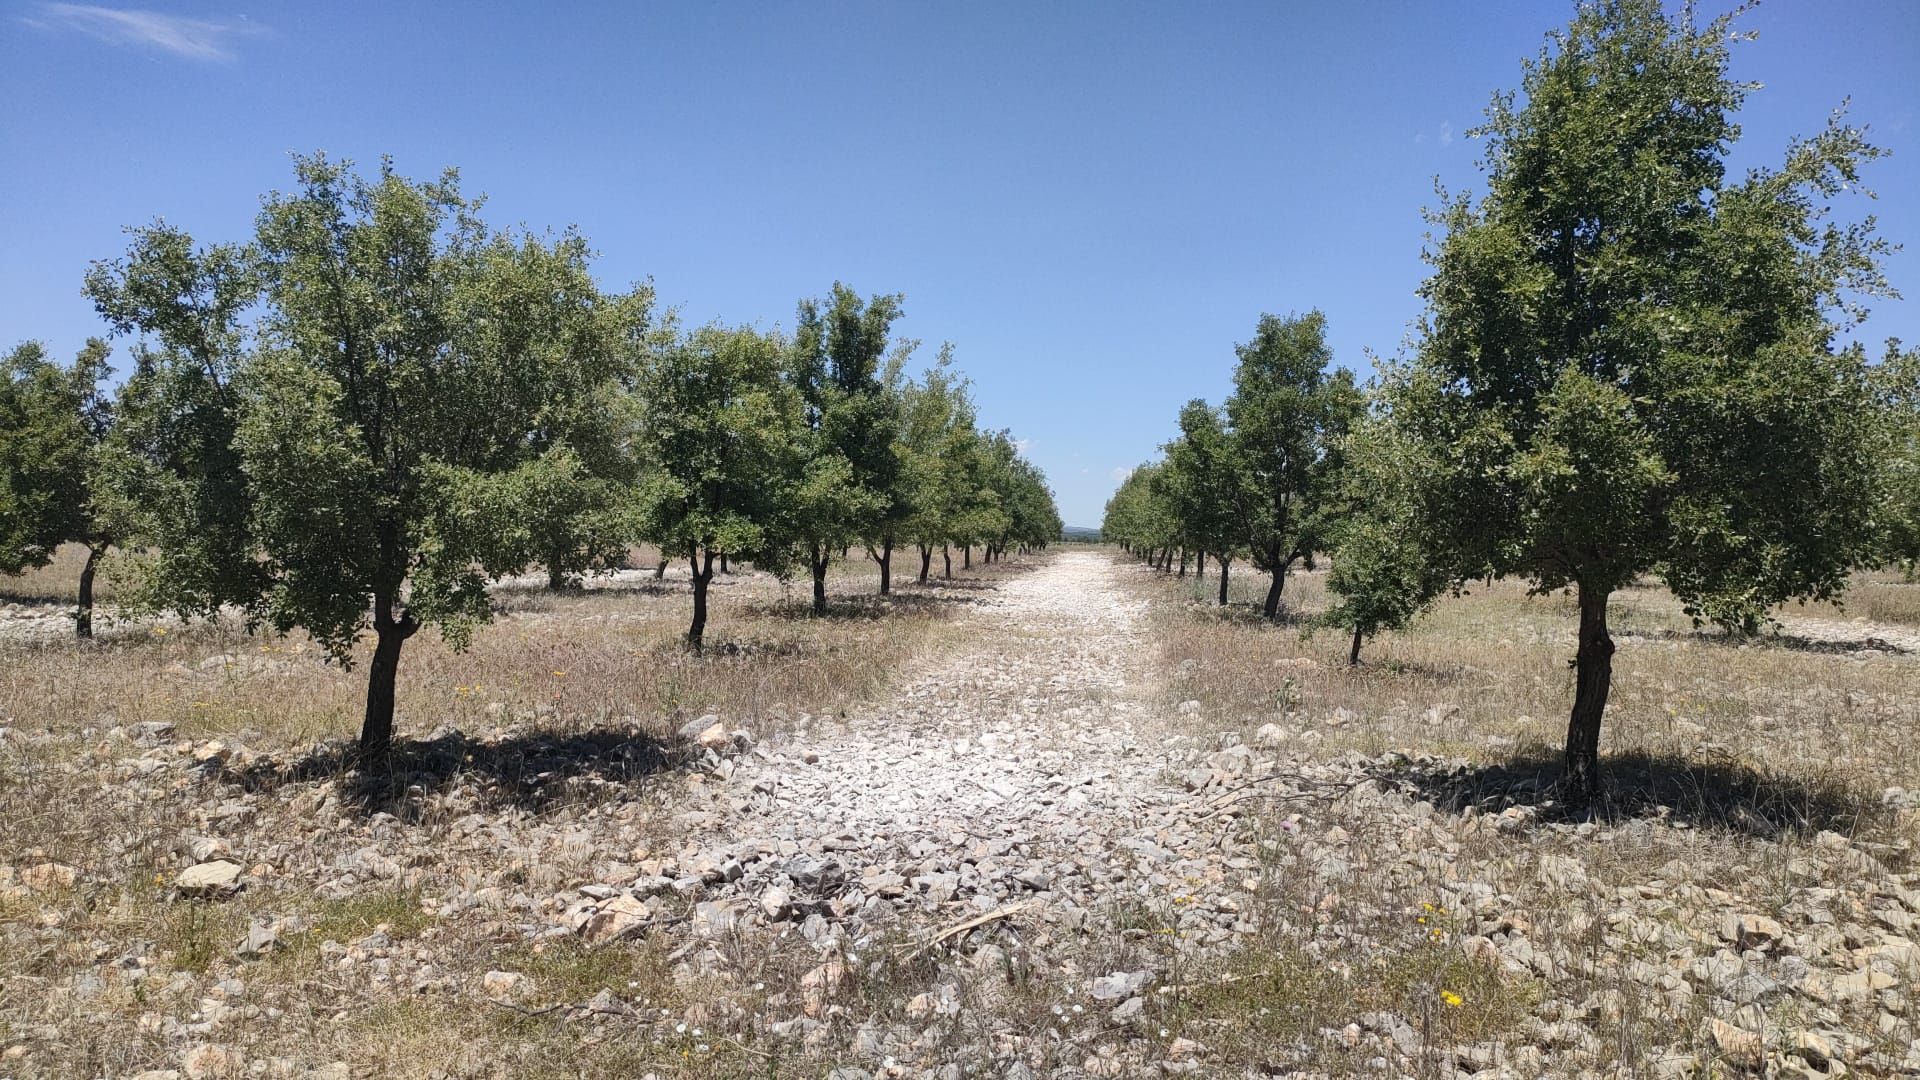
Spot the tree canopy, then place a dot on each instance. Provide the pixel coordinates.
(54, 422)
(1628, 362)
(384, 422)
(1286, 417)
(849, 419)
(719, 431)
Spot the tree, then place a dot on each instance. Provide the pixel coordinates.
(53, 422)
(1897, 381)
(1033, 520)
(936, 448)
(1025, 510)
(719, 427)
(386, 421)
(1628, 360)
(977, 511)
(1139, 517)
(573, 514)
(1383, 573)
(893, 521)
(848, 464)
(1202, 486)
(1287, 415)
(171, 473)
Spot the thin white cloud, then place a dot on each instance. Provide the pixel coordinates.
(1446, 133)
(1023, 445)
(1121, 472)
(192, 39)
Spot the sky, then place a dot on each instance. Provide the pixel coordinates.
(1093, 201)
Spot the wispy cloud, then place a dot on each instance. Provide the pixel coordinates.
(1023, 445)
(1442, 135)
(193, 39)
(1121, 472)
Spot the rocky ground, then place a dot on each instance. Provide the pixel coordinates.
(1033, 857)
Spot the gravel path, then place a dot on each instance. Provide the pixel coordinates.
(1029, 766)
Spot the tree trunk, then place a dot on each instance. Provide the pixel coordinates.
(556, 577)
(660, 570)
(886, 565)
(1272, 606)
(926, 562)
(83, 610)
(966, 557)
(1593, 676)
(1183, 562)
(1200, 564)
(821, 556)
(1353, 654)
(1224, 565)
(376, 728)
(697, 632)
(724, 568)
(946, 554)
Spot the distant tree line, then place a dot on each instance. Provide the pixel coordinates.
(1631, 364)
(356, 419)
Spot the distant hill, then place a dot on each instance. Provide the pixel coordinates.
(1080, 534)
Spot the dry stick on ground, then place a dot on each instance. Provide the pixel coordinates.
(519, 1009)
(761, 1054)
(961, 928)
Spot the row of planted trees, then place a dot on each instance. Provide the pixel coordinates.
(1630, 364)
(358, 418)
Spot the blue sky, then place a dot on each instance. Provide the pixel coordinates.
(1093, 201)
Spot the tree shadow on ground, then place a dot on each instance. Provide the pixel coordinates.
(1251, 614)
(1710, 796)
(860, 608)
(38, 601)
(1392, 670)
(531, 770)
(1774, 639)
(529, 597)
(954, 584)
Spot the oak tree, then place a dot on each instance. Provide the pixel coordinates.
(1287, 416)
(1629, 362)
(376, 423)
(54, 421)
(718, 431)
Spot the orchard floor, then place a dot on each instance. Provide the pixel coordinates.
(1055, 818)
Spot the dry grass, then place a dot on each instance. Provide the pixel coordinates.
(1486, 677)
(1880, 596)
(1733, 763)
(55, 584)
(561, 709)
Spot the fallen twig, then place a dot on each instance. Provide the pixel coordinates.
(525, 1011)
(960, 928)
